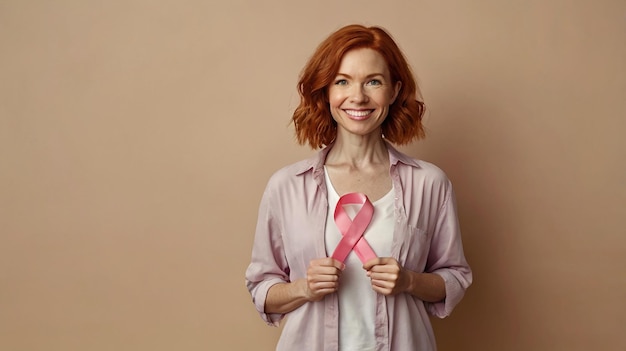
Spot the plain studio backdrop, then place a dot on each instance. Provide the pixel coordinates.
(136, 138)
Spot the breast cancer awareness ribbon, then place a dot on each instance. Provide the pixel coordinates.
(353, 229)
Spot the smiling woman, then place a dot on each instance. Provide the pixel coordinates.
(312, 118)
(362, 93)
(360, 242)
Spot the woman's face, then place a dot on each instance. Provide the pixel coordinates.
(361, 93)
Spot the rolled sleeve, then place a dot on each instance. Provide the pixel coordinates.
(456, 284)
(259, 294)
(268, 265)
(447, 258)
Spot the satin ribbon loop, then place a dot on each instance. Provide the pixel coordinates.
(353, 229)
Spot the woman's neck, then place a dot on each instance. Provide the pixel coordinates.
(357, 151)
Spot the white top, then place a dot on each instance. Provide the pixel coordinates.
(357, 300)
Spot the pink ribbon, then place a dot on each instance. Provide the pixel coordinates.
(353, 229)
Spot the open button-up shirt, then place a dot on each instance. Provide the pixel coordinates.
(426, 238)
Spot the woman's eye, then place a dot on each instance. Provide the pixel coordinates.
(341, 82)
(374, 82)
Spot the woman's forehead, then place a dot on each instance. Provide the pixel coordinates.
(363, 61)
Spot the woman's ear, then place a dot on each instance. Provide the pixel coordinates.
(397, 88)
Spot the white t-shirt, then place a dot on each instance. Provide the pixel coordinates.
(357, 300)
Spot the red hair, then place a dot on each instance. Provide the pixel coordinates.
(312, 119)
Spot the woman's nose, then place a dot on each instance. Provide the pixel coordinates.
(358, 94)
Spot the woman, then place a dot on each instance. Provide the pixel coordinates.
(341, 291)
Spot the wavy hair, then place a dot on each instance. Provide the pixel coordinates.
(312, 118)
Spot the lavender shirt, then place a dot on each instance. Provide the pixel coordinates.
(426, 238)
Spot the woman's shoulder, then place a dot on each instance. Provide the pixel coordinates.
(424, 172)
(418, 167)
(295, 170)
(431, 169)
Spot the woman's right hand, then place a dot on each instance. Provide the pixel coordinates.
(322, 277)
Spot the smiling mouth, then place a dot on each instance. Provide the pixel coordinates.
(359, 113)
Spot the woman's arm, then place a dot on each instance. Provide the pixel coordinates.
(429, 287)
(285, 297)
(322, 279)
(390, 278)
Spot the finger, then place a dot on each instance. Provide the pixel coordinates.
(328, 262)
(371, 263)
(390, 266)
(317, 286)
(386, 284)
(381, 291)
(384, 287)
(380, 261)
(336, 263)
(389, 269)
(323, 287)
(323, 278)
(386, 277)
(323, 270)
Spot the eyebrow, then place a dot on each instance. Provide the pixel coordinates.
(368, 76)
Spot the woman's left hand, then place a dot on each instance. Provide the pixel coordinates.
(387, 275)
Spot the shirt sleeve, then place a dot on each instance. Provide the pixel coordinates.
(446, 257)
(268, 264)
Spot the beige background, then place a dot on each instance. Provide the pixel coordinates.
(136, 138)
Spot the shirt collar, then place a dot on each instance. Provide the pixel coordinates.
(316, 163)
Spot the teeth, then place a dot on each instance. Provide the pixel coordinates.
(360, 113)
